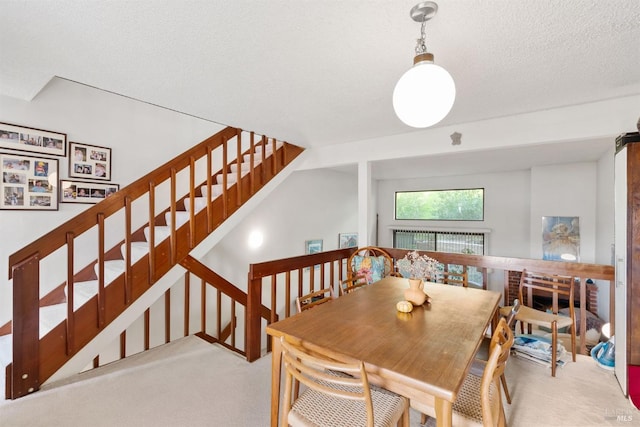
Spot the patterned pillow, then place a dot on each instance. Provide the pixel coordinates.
(372, 268)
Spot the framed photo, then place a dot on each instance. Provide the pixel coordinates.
(22, 138)
(28, 183)
(89, 161)
(347, 240)
(312, 246)
(85, 192)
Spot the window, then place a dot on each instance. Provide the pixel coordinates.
(450, 205)
(440, 241)
(461, 242)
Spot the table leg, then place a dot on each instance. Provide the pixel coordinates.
(443, 412)
(276, 362)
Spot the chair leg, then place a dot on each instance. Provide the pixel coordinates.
(554, 346)
(423, 419)
(286, 404)
(573, 342)
(506, 390)
(404, 420)
(502, 419)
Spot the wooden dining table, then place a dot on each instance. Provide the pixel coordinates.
(422, 355)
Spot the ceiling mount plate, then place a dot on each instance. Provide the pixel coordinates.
(424, 11)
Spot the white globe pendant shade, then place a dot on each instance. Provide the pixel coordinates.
(424, 95)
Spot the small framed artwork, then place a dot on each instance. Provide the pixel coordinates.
(347, 240)
(312, 246)
(13, 137)
(561, 238)
(28, 183)
(85, 192)
(89, 161)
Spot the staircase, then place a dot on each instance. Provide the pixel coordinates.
(48, 331)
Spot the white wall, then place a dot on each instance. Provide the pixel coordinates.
(515, 203)
(565, 190)
(506, 210)
(141, 137)
(314, 204)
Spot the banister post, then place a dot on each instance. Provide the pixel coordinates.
(25, 372)
(253, 321)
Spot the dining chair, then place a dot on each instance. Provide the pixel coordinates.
(371, 262)
(312, 299)
(351, 284)
(336, 394)
(307, 301)
(479, 401)
(454, 278)
(555, 287)
(482, 355)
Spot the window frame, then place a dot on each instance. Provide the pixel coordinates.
(395, 205)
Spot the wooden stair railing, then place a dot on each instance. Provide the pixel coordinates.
(170, 232)
(302, 274)
(223, 286)
(291, 277)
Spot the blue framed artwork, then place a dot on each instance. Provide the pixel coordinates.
(347, 240)
(561, 238)
(312, 246)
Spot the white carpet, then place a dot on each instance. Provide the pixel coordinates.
(193, 383)
(205, 385)
(581, 394)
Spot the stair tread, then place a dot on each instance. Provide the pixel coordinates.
(138, 250)
(182, 217)
(269, 147)
(112, 269)
(83, 292)
(257, 158)
(51, 316)
(199, 202)
(232, 178)
(216, 190)
(161, 232)
(245, 167)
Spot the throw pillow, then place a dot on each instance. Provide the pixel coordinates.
(372, 268)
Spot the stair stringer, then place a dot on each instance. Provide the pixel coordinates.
(174, 276)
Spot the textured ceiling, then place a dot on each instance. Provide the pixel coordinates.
(322, 72)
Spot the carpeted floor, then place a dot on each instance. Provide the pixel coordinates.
(193, 383)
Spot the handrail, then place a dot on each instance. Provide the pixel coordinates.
(300, 271)
(227, 288)
(36, 359)
(273, 270)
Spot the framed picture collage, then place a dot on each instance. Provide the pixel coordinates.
(30, 173)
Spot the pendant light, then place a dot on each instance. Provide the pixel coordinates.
(424, 94)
